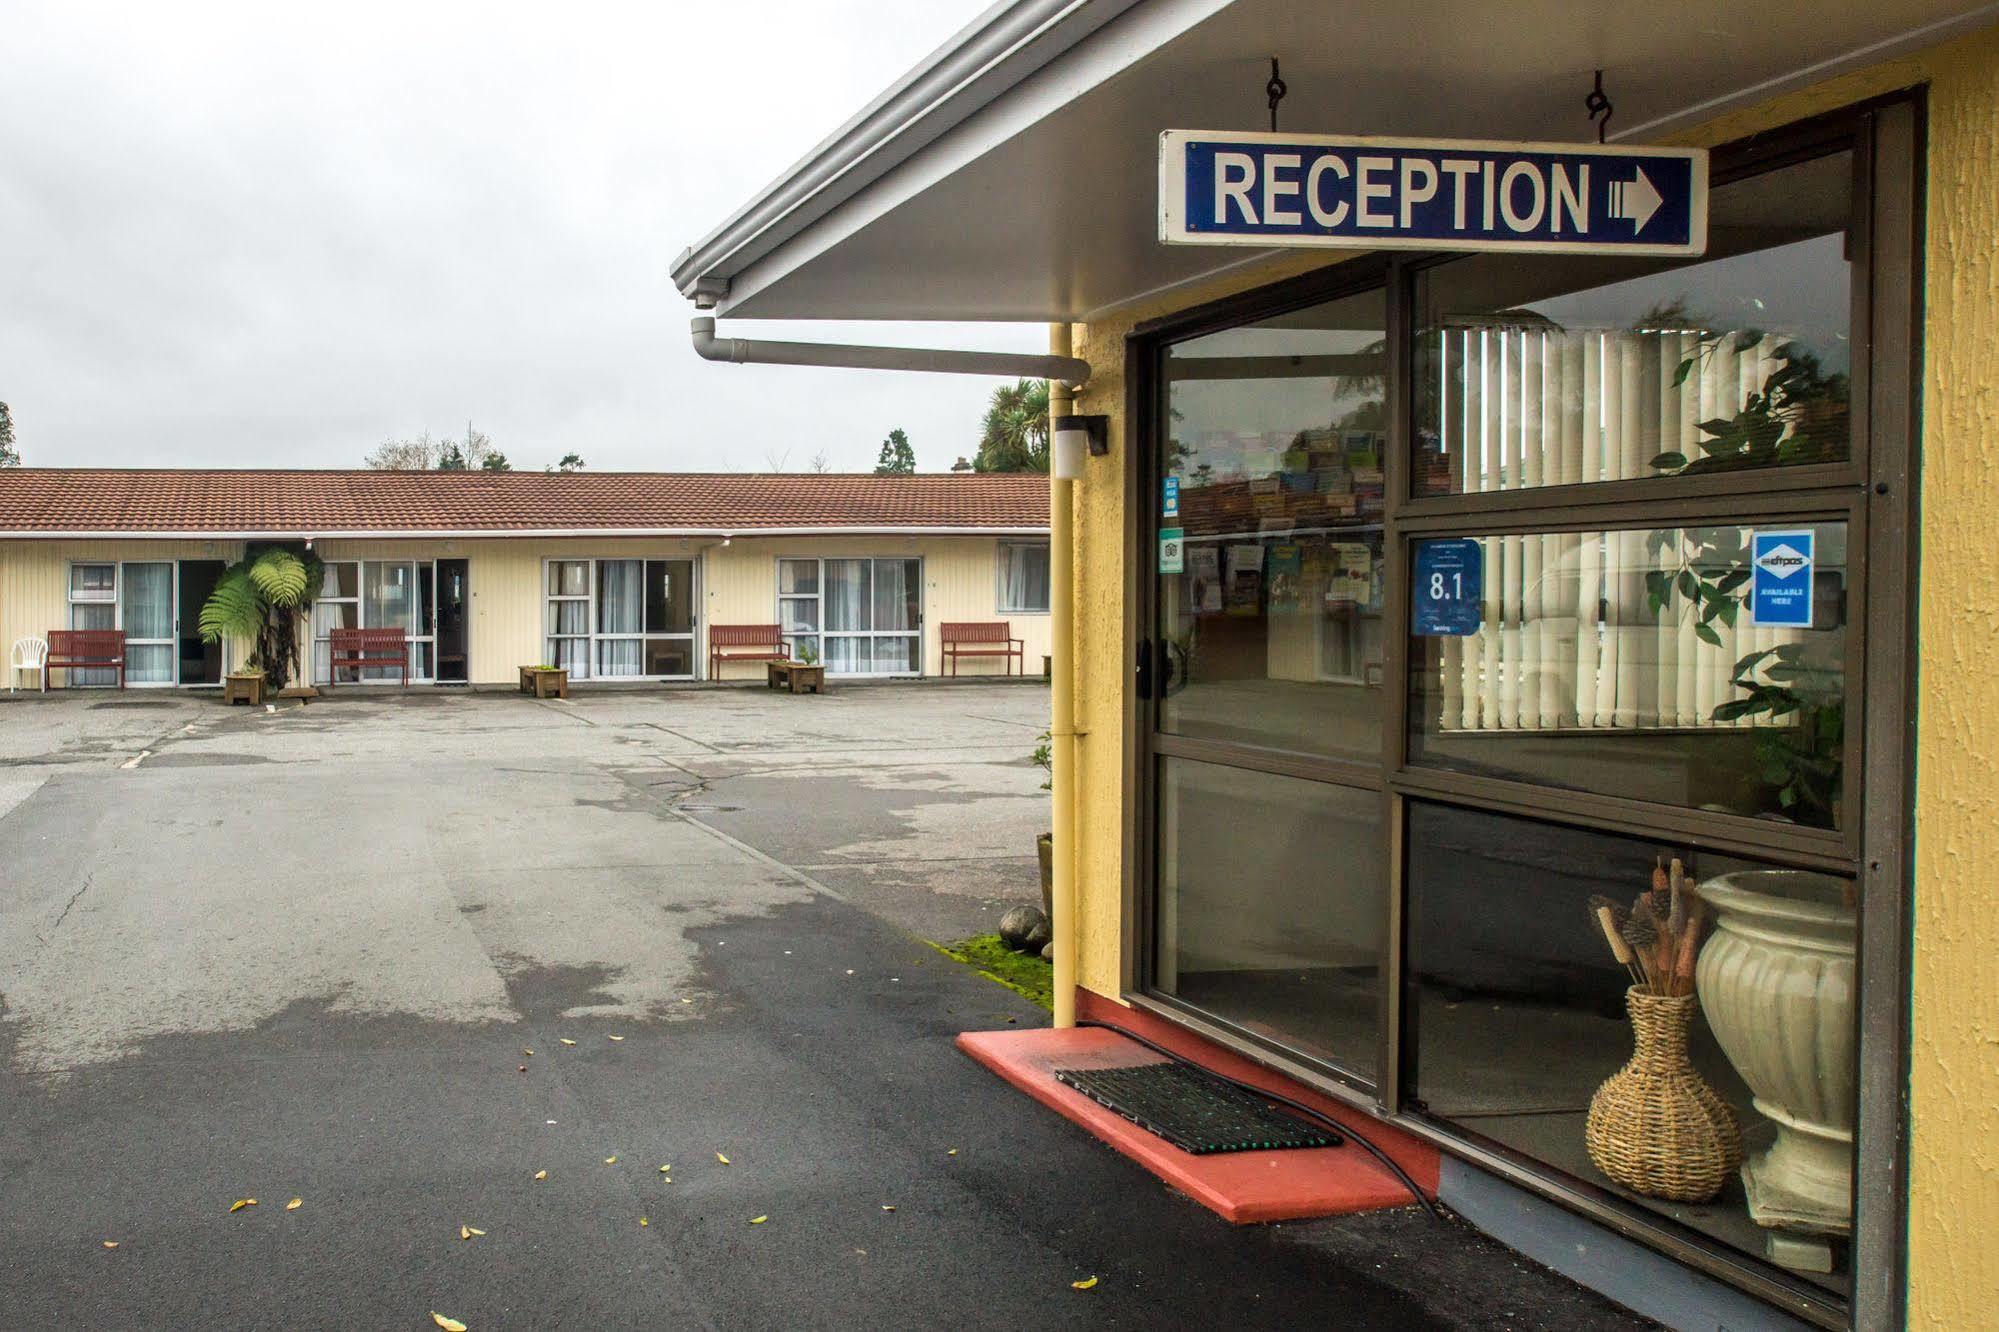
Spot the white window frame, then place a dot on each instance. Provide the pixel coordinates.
(1000, 549)
(422, 671)
(823, 633)
(115, 599)
(595, 636)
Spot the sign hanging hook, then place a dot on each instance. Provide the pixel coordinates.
(1276, 88)
(1597, 104)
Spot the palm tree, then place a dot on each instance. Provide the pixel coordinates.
(1014, 436)
(261, 598)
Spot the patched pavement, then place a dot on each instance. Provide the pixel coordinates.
(301, 954)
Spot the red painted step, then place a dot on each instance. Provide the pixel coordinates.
(1238, 1186)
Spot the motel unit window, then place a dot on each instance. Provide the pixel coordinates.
(859, 616)
(1484, 612)
(1023, 578)
(136, 596)
(631, 619)
(376, 594)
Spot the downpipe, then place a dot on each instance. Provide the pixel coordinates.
(1059, 369)
(1062, 473)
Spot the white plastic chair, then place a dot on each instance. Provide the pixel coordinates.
(30, 654)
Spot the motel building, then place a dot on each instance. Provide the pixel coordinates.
(1503, 453)
(615, 577)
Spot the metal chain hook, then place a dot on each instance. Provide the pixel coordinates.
(1598, 104)
(1276, 88)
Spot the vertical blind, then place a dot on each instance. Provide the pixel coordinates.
(1568, 637)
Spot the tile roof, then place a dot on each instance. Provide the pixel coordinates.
(56, 500)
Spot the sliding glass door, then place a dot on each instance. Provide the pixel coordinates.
(863, 615)
(377, 594)
(624, 619)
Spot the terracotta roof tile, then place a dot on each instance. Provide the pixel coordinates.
(54, 500)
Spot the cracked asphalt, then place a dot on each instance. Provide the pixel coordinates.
(303, 954)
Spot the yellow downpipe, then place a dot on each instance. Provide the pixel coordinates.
(1062, 695)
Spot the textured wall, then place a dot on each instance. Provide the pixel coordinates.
(1954, 1207)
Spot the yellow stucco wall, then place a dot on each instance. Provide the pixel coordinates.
(738, 585)
(1954, 1270)
(34, 578)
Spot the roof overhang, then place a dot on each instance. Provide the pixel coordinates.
(509, 534)
(1011, 176)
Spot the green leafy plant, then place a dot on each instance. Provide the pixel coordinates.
(809, 655)
(262, 599)
(1044, 758)
(1800, 415)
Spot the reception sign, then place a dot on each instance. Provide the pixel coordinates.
(1270, 190)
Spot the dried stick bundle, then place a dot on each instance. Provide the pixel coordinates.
(1658, 939)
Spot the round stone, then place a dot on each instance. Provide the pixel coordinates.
(1024, 929)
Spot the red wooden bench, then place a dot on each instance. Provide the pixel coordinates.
(353, 649)
(745, 642)
(87, 649)
(977, 638)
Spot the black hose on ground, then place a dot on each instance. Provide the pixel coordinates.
(1297, 1107)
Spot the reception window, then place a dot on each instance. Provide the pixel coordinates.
(1520, 703)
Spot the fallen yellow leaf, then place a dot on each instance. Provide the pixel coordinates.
(723, 1159)
(467, 1232)
(610, 1160)
(294, 1204)
(644, 1222)
(666, 1169)
(888, 1207)
(527, 1052)
(1084, 1284)
(241, 1203)
(565, 1040)
(758, 1220)
(448, 1324)
(617, 1038)
(541, 1174)
(110, 1244)
(952, 1152)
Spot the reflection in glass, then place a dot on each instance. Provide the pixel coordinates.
(1272, 625)
(1519, 1011)
(1629, 662)
(1271, 901)
(1556, 371)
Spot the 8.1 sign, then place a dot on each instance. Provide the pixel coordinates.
(1450, 583)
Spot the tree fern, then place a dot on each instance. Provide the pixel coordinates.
(234, 609)
(280, 576)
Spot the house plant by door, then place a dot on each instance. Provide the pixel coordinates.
(1777, 981)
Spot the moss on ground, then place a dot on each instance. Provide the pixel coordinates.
(1029, 976)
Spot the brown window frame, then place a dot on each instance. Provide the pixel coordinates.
(1874, 491)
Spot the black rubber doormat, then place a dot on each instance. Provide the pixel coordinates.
(1193, 1110)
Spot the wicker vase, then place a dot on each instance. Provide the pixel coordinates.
(1655, 1126)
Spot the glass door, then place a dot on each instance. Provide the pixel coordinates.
(200, 662)
(873, 616)
(1266, 723)
(146, 613)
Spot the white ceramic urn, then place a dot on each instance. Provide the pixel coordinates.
(1776, 981)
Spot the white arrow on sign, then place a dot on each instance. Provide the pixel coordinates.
(1635, 199)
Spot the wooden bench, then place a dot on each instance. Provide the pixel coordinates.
(354, 649)
(86, 649)
(745, 642)
(977, 638)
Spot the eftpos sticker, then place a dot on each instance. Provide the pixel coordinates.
(1781, 578)
(1172, 550)
(1170, 498)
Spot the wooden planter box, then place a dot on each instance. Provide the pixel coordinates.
(247, 687)
(797, 677)
(545, 682)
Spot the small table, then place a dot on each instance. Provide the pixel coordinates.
(545, 681)
(245, 688)
(797, 677)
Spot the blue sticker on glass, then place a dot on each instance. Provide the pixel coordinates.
(1781, 581)
(1170, 501)
(1450, 581)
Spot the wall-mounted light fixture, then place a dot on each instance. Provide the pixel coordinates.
(1076, 435)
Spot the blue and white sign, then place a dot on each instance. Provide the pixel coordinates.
(1780, 581)
(1248, 188)
(1450, 581)
(1170, 500)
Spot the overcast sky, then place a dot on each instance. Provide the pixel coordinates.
(271, 236)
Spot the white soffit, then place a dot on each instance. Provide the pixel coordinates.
(1031, 196)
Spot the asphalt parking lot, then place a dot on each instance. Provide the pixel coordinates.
(302, 954)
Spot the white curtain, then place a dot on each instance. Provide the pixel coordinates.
(1024, 577)
(618, 656)
(847, 595)
(895, 595)
(1568, 637)
(572, 655)
(620, 596)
